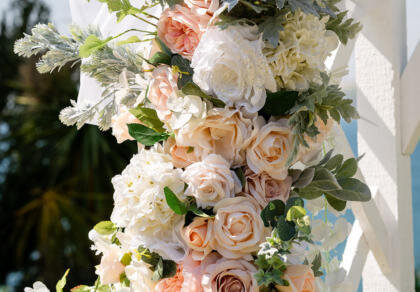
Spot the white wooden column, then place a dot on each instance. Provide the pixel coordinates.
(380, 54)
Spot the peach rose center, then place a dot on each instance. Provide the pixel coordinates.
(181, 36)
(238, 226)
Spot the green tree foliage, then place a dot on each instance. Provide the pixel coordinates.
(54, 180)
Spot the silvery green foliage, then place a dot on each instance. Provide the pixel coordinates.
(116, 69)
(59, 50)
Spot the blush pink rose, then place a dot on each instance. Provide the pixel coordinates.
(300, 277)
(264, 188)
(198, 236)
(181, 29)
(119, 124)
(203, 6)
(164, 83)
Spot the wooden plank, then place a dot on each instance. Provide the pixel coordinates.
(410, 103)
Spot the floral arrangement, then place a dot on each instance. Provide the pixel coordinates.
(234, 111)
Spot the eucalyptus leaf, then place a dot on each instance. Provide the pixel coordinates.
(353, 190)
(279, 103)
(295, 212)
(271, 212)
(324, 180)
(305, 178)
(334, 162)
(295, 174)
(309, 193)
(326, 157)
(285, 229)
(348, 169)
(337, 204)
(294, 201)
(145, 135)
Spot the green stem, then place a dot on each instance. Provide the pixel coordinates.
(142, 19)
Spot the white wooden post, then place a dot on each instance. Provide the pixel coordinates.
(380, 54)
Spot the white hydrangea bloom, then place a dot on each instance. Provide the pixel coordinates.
(140, 276)
(185, 109)
(303, 48)
(38, 287)
(140, 204)
(230, 64)
(330, 235)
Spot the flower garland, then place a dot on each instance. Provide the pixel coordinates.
(232, 108)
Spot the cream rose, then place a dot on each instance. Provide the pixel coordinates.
(270, 149)
(230, 64)
(225, 132)
(265, 189)
(300, 277)
(238, 227)
(198, 236)
(163, 85)
(181, 28)
(110, 268)
(210, 180)
(230, 276)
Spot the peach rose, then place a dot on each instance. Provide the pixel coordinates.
(173, 284)
(198, 236)
(270, 149)
(192, 272)
(164, 83)
(110, 267)
(300, 277)
(265, 189)
(224, 131)
(307, 155)
(238, 227)
(119, 124)
(230, 276)
(211, 180)
(181, 29)
(202, 7)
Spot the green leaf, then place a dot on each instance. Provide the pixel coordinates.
(126, 259)
(164, 48)
(105, 228)
(345, 29)
(280, 3)
(191, 88)
(158, 272)
(279, 103)
(309, 193)
(324, 180)
(316, 265)
(92, 44)
(334, 162)
(353, 190)
(295, 212)
(62, 282)
(240, 174)
(199, 212)
(306, 6)
(348, 169)
(169, 268)
(145, 135)
(148, 117)
(160, 58)
(271, 212)
(326, 157)
(285, 230)
(305, 178)
(185, 71)
(337, 204)
(174, 203)
(81, 288)
(130, 40)
(294, 201)
(124, 280)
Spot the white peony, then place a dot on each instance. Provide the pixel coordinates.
(185, 109)
(38, 287)
(140, 204)
(303, 48)
(230, 64)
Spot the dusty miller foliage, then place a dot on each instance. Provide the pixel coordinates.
(114, 68)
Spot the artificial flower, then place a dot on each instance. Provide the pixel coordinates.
(300, 277)
(37, 287)
(211, 180)
(180, 28)
(270, 150)
(302, 50)
(185, 109)
(265, 189)
(238, 227)
(110, 267)
(230, 276)
(198, 236)
(203, 6)
(119, 124)
(229, 64)
(224, 131)
(173, 284)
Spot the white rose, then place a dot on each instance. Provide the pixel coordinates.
(270, 149)
(110, 267)
(185, 109)
(211, 180)
(230, 64)
(238, 227)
